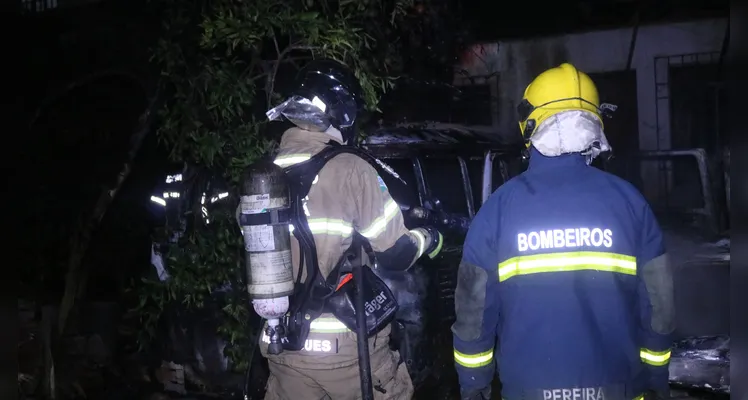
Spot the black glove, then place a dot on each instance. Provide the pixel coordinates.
(476, 394)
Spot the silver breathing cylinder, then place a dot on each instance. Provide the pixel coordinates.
(267, 245)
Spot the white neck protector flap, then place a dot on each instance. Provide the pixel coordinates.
(573, 131)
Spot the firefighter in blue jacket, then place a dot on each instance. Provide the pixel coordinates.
(564, 285)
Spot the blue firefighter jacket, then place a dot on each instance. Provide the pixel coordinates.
(548, 292)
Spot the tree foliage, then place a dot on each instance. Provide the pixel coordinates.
(224, 67)
(222, 63)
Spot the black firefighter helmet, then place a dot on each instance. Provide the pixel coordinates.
(334, 88)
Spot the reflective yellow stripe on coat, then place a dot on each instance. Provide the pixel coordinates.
(655, 358)
(569, 261)
(474, 360)
(288, 160)
(327, 325)
(337, 227)
(379, 225)
(330, 226)
(421, 241)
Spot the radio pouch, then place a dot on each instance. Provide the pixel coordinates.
(380, 303)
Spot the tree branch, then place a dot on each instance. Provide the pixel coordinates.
(76, 277)
(281, 55)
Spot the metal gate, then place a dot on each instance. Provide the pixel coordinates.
(689, 105)
(663, 67)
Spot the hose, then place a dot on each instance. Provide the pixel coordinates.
(364, 364)
(248, 374)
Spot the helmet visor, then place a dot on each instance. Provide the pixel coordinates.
(305, 113)
(343, 108)
(524, 109)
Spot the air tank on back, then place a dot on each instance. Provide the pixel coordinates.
(267, 243)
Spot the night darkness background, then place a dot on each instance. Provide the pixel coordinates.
(91, 60)
(85, 80)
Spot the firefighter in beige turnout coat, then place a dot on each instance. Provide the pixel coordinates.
(346, 196)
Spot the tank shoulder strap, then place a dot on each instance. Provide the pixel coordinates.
(299, 178)
(302, 174)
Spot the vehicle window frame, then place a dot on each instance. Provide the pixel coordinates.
(503, 168)
(466, 187)
(477, 191)
(487, 182)
(417, 172)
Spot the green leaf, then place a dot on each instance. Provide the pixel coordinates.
(308, 16)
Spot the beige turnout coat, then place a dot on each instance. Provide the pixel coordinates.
(346, 196)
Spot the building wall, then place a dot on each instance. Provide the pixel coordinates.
(515, 63)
